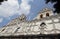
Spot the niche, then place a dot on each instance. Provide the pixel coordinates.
(41, 16)
(47, 14)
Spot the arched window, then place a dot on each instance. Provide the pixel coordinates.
(47, 14)
(41, 16)
(42, 24)
(2, 30)
(17, 29)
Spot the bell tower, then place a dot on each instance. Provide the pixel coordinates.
(46, 12)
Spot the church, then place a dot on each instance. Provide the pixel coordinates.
(46, 25)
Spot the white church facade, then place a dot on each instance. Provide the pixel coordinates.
(46, 22)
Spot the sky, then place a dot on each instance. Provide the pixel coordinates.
(13, 8)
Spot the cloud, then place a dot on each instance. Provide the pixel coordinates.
(11, 7)
(1, 19)
(8, 8)
(25, 7)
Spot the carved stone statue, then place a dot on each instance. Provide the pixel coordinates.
(22, 17)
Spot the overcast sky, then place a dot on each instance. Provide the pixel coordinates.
(13, 8)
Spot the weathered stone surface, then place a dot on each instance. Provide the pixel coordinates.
(49, 24)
